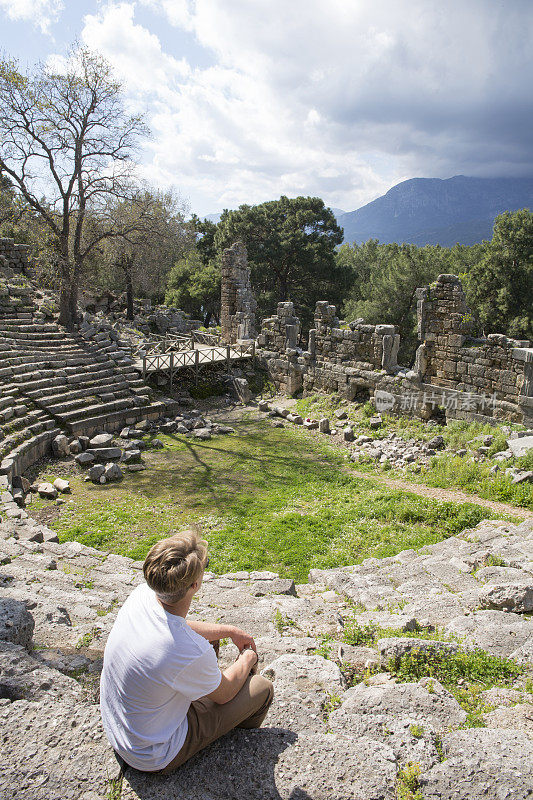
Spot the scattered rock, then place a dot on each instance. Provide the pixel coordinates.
(84, 459)
(516, 596)
(47, 491)
(96, 472)
(519, 447)
(62, 486)
(323, 425)
(113, 472)
(101, 440)
(347, 433)
(60, 446)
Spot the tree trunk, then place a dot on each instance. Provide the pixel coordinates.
(129, 297)
(207, 319)
(68, 297)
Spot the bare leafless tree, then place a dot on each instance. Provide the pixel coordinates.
(65, 136)
(155, 235)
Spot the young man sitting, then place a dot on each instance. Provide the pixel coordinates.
(162, 695)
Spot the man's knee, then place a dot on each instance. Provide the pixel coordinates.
(262, 688)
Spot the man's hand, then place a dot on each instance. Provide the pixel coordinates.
(242, 640)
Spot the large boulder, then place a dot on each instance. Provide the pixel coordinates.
(516, 596)
(480, 764)
(16, 622)
(302, 685)
(60, 446)
(23, 677)
(395, 648)
(54, 750)
(105, 453)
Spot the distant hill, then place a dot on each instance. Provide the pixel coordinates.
(213, 217)
(435, 211)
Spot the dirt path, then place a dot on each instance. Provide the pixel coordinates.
(453, 495)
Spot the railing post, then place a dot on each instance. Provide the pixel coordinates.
(171, 368)
(196, 365)
(228, 357)
(144, 368)
(253, 354)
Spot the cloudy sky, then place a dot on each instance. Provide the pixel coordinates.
(251, 99)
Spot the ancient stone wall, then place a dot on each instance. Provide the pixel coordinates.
(237, 316)
(495, 366)
(13, 257)
(454, 373)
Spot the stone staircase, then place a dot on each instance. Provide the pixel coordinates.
(53, 380)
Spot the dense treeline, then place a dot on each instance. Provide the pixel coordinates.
(294, 254)
(497, 277)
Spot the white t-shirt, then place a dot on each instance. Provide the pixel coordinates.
(155, 665)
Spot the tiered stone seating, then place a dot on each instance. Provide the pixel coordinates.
(52, 380)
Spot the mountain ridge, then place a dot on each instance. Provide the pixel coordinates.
(441, 211)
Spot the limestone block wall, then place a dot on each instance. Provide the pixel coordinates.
(495, 366)
(238, 304)
(454, 373)
(337, 359)
(279, 341)
(13, 256)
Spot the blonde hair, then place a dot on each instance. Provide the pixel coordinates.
(174, 564)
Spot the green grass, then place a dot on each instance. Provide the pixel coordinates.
(466, 674)
(356, 634)
(446, 470)
(407, 782)
(457, 472)
(267, 498)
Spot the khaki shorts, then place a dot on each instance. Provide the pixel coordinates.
(208, 721)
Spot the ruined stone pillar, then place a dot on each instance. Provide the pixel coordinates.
(238, 304)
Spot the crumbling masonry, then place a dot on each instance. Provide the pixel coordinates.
(454, 374)
(237, 316)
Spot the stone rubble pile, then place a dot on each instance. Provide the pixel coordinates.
(395, 451)
(148, 319)
(323, 739)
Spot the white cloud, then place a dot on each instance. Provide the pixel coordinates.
(40, 13)
(328, 97)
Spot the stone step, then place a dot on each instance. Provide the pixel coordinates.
(27, 384)
(6, 401)
(81, 394)
(112, 421)
(60, 409)
(98, 409)
(26, 327)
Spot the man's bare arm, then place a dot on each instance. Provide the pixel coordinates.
(213, 631)
(234, 677)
